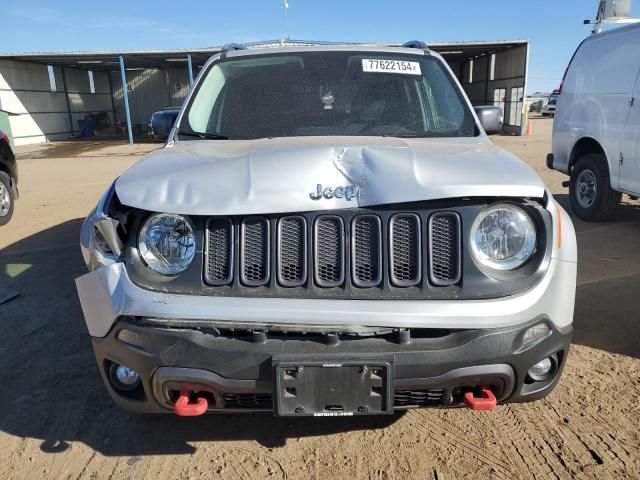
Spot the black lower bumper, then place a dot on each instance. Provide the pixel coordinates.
(235, 371)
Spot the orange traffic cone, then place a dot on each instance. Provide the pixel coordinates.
(529, 131)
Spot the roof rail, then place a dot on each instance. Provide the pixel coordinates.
(233, 46)
(415, 44)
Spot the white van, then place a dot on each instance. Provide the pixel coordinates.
(596, 134)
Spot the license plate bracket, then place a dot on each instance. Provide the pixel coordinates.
(333, 388)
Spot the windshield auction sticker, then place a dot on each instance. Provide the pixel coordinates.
(391, 66)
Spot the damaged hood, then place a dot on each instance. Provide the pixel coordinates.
(243, 177)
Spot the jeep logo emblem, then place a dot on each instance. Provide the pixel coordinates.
(348, 192)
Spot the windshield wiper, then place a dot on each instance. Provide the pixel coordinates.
(207, 136)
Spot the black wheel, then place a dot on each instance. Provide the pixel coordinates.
(590, 192)
(6, 199)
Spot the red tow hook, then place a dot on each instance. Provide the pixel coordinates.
(185, 409)
(486, 402)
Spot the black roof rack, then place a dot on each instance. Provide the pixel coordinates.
(233, 46)
(415, 44)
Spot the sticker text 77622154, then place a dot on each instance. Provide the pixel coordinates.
(391, 66)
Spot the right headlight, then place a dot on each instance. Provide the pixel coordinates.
(503, 237)
(167, 243)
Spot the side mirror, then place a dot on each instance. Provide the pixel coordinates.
(162, 123)
(491, 118)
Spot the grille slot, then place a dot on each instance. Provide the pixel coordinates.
(366, 251)
(219, 252)
(418, 398)
(292, 251)
(444, 249)
(248, 400)
(406, 251)
(329, 251)
(254, 257)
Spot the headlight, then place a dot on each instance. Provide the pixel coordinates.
(167, 243)
(503, 237)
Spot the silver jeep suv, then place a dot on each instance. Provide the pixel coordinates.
(328, 232)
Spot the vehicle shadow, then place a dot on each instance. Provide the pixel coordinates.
(608, 293)
(53, 390)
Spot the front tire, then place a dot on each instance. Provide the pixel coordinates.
(592, 198)
(7, 199)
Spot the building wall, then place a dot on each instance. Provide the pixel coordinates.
(42, 114)
(149, 90)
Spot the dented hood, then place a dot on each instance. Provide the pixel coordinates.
(216, 177)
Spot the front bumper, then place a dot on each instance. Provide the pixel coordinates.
(434, 369)
(108, 294)
(476, 342)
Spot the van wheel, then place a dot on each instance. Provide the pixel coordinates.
(6, 199)
(590, 192)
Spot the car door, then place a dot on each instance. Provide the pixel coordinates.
(630, 160)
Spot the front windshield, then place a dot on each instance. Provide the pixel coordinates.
(328, 93)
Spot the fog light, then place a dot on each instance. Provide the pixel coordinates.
(535, 333)
(123, 377)
(543, 369)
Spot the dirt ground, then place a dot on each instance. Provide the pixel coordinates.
(57, 421)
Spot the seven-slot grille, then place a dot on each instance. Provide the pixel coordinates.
(328, 251)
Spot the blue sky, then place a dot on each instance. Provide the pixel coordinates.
(553, 26)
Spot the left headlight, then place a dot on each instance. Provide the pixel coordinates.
(503, 237)
(167, 243)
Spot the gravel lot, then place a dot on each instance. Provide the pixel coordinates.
(58, 422)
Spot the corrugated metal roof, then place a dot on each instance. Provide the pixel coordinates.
(112, 52)
(264, 43)
(108, 60)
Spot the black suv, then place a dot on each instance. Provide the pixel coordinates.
(8, 179)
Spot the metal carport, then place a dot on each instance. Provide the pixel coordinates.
(154, 79)
(492, 73)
